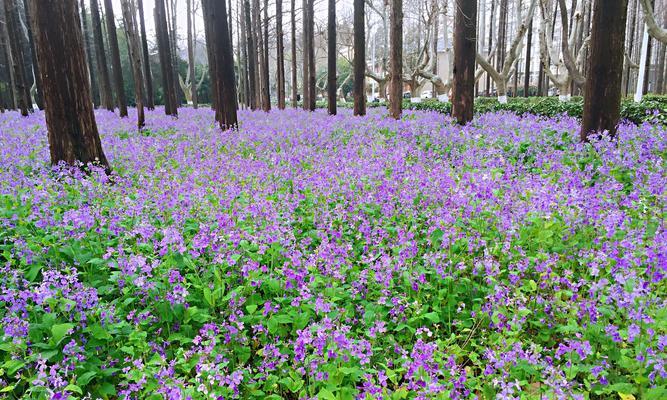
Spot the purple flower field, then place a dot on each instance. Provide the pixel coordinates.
(308, 256)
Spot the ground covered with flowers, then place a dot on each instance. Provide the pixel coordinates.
(308, 256)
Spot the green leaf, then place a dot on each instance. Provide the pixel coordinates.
(85, 378)
(73, 388)
(433, 317)
(325, 394)
(59, 331)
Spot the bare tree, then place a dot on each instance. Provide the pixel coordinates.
(295, 89)
(18, 58)
(331, 58)
(266, 84)
(602, 95)
(502, 76)
(115, 59)
(191, 55)
(465, 48)
(129, 9)
(359, 91)
(106, 97)
(280, 55)
(396, 59)
(89, 54)
(164, 48)
(37, 87)
(148, 77)
(252, 57)
(70, 121)
(654, 29)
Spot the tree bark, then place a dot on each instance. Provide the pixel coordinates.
(224, 65)
(311, 56)
(243, 49)
(35, 67)
(654, 30)
(129, 17)
(115, 59)
(24, 102)
(306, 59)
(359, 58)
(465, 47)
(490, 46)
(148, 77)
(529, 46)
(70, 121)
(164, 48)
(295, 88)
(191, 56)
(331, 58)
(602, 96)
(266, 86)
(252, 58)
(106, 97)
(280, 55)
(631, 43)
(89, 55)
(396, 59)
(208, 33)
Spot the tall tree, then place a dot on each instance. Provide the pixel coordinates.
(252, 58)
(115, 59)
(191, 56)
(331, 58)
(280, 55)
(312, 78)
(396, 59)
(359, 58)
(208, 33)
(89, 54)
(12, 19)
(106, 97)
(148, 77)
(266, 86)
(224, 64)
(164, 48)
(35, 67)
(243, 50)
(465, 45)
(306, 59)
(70, 121)
(526, 74)
(132, 32)
(295, 89)
(602, 95)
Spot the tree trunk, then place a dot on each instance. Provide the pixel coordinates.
(648, 59)
(243, 49)
(35, 67)
(252, 58)
(148, 77)
(529, 45)
(89, 54)
(396, 59)
(602, 96)
(115, 59)
(331, 58)
(208, 33)
(129, 17)
(304, 51)
(106, 97)
(465, 47)
(359, 58)
(24, 102)
(295, 88)
(224, 64)
(266, 87)
(191, 57)
(7, 52)
(502, 36)
(490, 46)
(70, 121)
(164, 48)
(311, 56)
(280, 55)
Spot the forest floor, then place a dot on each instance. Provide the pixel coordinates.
(308, 256)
